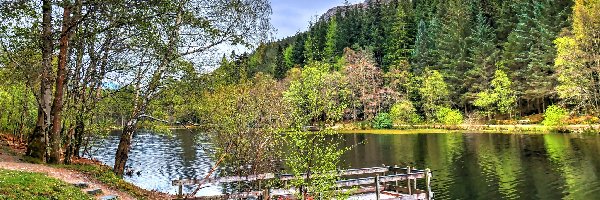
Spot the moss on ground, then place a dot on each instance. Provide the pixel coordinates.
(27, 185)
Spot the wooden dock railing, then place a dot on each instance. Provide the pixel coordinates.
(395, 174)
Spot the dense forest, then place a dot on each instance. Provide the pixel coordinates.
(501, 58)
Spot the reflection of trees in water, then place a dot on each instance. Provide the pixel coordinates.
(500, 163)
(576, 163)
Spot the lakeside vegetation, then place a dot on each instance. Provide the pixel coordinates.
(71, 75)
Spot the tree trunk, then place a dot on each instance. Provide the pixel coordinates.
(124, 146)
(57, 105)
(69, 146)
(79, 129)
(37, 143)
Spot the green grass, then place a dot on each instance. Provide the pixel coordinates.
(398, 131)
(105, 175)
(27, 185)
(433, 131)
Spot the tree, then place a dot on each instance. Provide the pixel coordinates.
(424, 54)
(228, 22)
(500, 98)
(453, 46)
(398, 44)
(331, 45)
(243, 122)
(288, 58)
(317, 95)
(578, 59)
(365, 81)
(311, 50)
(483, 58)
(434, 93)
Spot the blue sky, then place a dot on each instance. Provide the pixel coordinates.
(291, 16)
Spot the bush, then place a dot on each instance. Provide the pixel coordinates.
(449, 116)
(382, 121)
(403, 112)
(554, 116)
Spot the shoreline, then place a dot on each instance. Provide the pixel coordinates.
(464, 128)
(96, 173)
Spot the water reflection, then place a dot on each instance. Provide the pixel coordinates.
(491, 166)
(465, 166)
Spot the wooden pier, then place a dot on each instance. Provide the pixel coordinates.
(386, 184)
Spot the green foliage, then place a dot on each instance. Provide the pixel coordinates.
(288, 56)
(555, 116)
(318, 95)
(449, 116)
(27, 185)
(383, 121)
(434, 93)
(578, 57)
(397, 47)
(500, 98)
(317, 154)
(331, 45)
(18, 107)
(403, 112)
(243, 121)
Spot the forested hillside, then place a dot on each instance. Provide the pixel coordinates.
(542, 52)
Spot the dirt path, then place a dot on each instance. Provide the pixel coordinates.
(12, 162)
(65, 175)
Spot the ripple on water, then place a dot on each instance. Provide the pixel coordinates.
(468, 166)
(159, 159)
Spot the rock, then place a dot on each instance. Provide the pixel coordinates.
(95, 192)
(81, 185)
(109, 197)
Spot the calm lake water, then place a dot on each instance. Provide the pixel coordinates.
(465, 166)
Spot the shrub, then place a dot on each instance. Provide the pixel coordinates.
(403, 112)
(382, 121)
(449, 116)
(554, 116)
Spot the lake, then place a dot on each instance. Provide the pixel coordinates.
(464, 165)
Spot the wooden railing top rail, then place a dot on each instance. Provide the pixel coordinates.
(286, 177)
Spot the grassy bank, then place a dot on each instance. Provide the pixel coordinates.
(506, 129)
(27, 185)
(105, 175)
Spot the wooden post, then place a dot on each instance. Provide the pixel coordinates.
(408, 180)
(377, 187)
(396, 172)
(415, 181)
(180, 190)
(428, 183)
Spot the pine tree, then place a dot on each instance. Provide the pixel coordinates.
(515, 56)
(397, 46)
(331, 45)
(540, 82)
(423, 52)
(311, 51)
(280, 67)
(483, 58)
(453, 46)
(298, 50)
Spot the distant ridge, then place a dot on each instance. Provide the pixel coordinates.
(332, 11)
